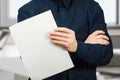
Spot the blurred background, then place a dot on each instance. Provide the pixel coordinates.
(11, 68)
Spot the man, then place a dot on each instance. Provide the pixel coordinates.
(81, 30)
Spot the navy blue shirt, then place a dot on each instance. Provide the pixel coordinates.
(84, 17)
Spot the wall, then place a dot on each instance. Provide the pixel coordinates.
(119, 12)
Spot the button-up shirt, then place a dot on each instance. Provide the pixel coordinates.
(83, 17)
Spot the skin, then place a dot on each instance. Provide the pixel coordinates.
(66, 38)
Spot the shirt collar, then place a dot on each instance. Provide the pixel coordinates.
(65, 2)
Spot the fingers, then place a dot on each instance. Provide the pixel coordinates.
(57, 38)
(59, 43)
(64, 37)
(98, 37)
(102, 42)
(63, 29)
(102, 37)
(60, 34)
(98, 32)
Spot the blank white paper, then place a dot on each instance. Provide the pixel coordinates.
(41, 58)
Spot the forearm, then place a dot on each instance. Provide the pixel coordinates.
(95, 54)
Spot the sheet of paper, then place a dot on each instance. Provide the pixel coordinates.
(41, 58)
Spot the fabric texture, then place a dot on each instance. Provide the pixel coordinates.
(84, 17)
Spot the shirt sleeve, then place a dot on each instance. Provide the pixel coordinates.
(95, 54)
(22, 15)
(26, 11)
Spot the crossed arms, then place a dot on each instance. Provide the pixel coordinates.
(66, 38)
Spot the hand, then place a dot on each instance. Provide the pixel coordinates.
(64, 37)
(98, 37)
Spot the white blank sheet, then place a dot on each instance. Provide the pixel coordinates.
(41, 58)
